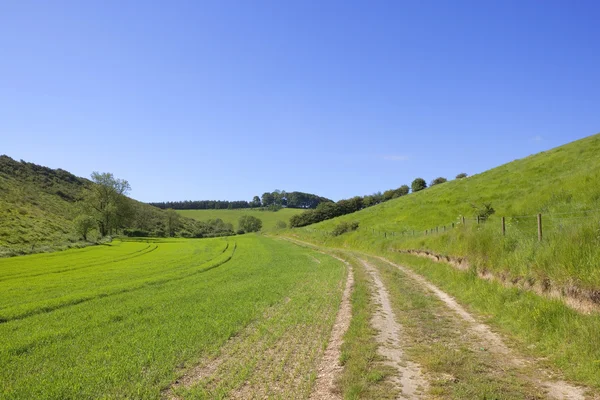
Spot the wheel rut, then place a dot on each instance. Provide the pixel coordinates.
(410, 380)
(329, 368)
(558, 390)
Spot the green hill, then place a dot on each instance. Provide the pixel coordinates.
(562, 184)
(269, 218)
(38, 206)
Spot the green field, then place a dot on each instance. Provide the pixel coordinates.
(126, 320)
(269, 218)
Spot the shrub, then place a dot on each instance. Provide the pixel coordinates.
(418, 184)
(484, 211)
(344, 227)
(461, 175)
(280, 225)
(437, 181)
(136, 233)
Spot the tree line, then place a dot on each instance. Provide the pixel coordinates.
(269, 200)
(106, 210)
(328, 210)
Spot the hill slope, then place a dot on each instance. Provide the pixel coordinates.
(38, 206)
(563, 184)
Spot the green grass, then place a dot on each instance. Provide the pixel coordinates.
(147, 316)
(269, 218)
(561, 184)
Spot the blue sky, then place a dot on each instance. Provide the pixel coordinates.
(229, 99)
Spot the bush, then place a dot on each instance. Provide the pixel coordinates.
(280, 225)
(484, 211)
(344, 227)
(248, 223)
(418, 184)
(437, 181)
(240, 232)
(461, 175)
(136, 233)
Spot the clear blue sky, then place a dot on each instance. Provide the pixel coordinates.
(225, 100)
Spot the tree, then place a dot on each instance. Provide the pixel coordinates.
(248, 223)
(84, 224)
(267, 199)
(107, 203)
(172, 221)
(255, 203)
(388, 195)
(437, 181)
(418, 184)
(461, 175)
(402, 191)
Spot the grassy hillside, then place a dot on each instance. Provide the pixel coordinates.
(269, 218)
(563, 184)
(38, 206)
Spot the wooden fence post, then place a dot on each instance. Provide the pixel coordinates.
(444, 228)
(478, 220)
(503, 227)
(453, 225)
(539, 222)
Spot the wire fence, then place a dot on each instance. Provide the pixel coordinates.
(527, 225)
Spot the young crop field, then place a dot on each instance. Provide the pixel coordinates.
(239, 317)
(269, 218)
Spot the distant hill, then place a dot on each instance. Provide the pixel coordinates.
(269, 219)
(38, 205)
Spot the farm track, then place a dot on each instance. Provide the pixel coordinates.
(552, 388)
(410, 381)
(558, 390)
(73, 302)
(144, 251)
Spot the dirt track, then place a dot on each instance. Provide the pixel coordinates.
(554, 389)
(409, 381)
(329, 367)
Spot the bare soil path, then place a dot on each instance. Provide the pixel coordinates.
(559, 390)
(410, 380)
(329, 368)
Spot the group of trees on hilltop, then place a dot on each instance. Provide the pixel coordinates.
(328, 210)
(270, 200)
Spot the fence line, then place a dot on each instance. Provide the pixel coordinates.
(539, 218)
